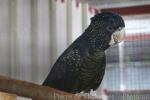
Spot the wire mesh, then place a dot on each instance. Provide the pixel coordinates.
(134, 71)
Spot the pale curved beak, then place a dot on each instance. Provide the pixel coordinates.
(118, 36)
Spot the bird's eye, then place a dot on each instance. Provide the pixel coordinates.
(111, 29)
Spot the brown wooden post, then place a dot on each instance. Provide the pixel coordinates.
(34, 91)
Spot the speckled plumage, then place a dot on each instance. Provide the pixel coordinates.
(81, 67)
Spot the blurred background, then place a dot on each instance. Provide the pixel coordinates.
(33, 34)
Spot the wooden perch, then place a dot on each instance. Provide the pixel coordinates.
(6, 96)
(34, 91)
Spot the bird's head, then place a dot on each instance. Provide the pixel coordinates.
(109, 29)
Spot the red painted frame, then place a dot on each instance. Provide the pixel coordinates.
(145, 9)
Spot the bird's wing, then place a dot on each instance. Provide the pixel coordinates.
(64, 74)
(101, 71)
(92, 71)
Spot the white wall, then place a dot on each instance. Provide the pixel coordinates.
(4, 38)
(33, 34)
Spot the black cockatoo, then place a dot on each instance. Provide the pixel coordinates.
(81, 66)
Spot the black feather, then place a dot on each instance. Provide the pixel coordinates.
(82, 65)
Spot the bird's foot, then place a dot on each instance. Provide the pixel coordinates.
(93, 93)
(86, 96)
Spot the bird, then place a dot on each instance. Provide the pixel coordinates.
(81, 67)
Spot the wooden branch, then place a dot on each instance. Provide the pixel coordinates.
(6, 96)
(34, 91)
